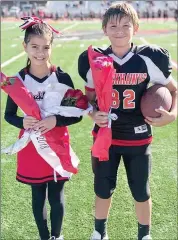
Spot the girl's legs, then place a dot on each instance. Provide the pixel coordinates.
(56, 201)
(38, 202)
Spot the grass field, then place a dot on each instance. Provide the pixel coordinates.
(17, 221)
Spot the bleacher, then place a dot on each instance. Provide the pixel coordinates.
(75, 8)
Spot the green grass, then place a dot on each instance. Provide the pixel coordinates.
(17, 219)
(169, 42)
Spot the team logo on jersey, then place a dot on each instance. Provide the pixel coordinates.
(39, 96)
(129, 78)
(141, 129)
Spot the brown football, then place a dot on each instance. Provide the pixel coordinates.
(153, 98)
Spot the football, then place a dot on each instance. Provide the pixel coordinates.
(153, 98)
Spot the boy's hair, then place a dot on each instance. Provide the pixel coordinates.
(38, 29)
(120, 10)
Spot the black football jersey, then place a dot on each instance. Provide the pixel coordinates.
(142, 65)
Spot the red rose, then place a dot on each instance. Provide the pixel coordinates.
(73, 93)
(3, 77)
(10, 80)
(70, 93)
(101, 63)
(78, 93)
(75, 98)
(82, 102)
(5, 81)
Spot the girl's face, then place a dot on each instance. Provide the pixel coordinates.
(120, 31)
(38, 50)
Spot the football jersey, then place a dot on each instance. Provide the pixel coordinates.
(142, 65)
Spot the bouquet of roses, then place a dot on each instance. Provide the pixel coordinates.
(102, 72)
(59, 99)
(58, 155)
(75, 98)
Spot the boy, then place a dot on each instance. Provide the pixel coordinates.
(136, 67)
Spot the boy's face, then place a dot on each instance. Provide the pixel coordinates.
(120, 31)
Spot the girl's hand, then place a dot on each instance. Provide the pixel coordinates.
(166, 118)
(100, 118)
(45, 125)
(29, 122)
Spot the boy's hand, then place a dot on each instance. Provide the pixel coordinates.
(166, 118)
(29, 122)
(45, 125)
(100, 118)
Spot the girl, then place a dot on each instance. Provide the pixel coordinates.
(32, 169)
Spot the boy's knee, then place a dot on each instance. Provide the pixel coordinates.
(140, 194)
(141, 197)
(104, 187)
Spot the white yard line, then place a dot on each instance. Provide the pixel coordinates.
(68, 39)
(58, 45)
(174, 64)
(13, 45)
(23, 53)
(144, 40)
(69, 27)
(82, 45)
(4, 160)
(12, 60)
(8, 28)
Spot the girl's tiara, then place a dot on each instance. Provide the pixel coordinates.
(30, 21)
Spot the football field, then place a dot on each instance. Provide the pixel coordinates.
(17, 221)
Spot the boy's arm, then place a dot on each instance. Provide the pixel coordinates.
(91, 95)
(166, 117)
(172, 86)
(159, 66)
(100, 118)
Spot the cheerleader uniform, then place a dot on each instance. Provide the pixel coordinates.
(32, 169)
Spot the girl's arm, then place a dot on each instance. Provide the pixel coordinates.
(11, 114)
(62, 121)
